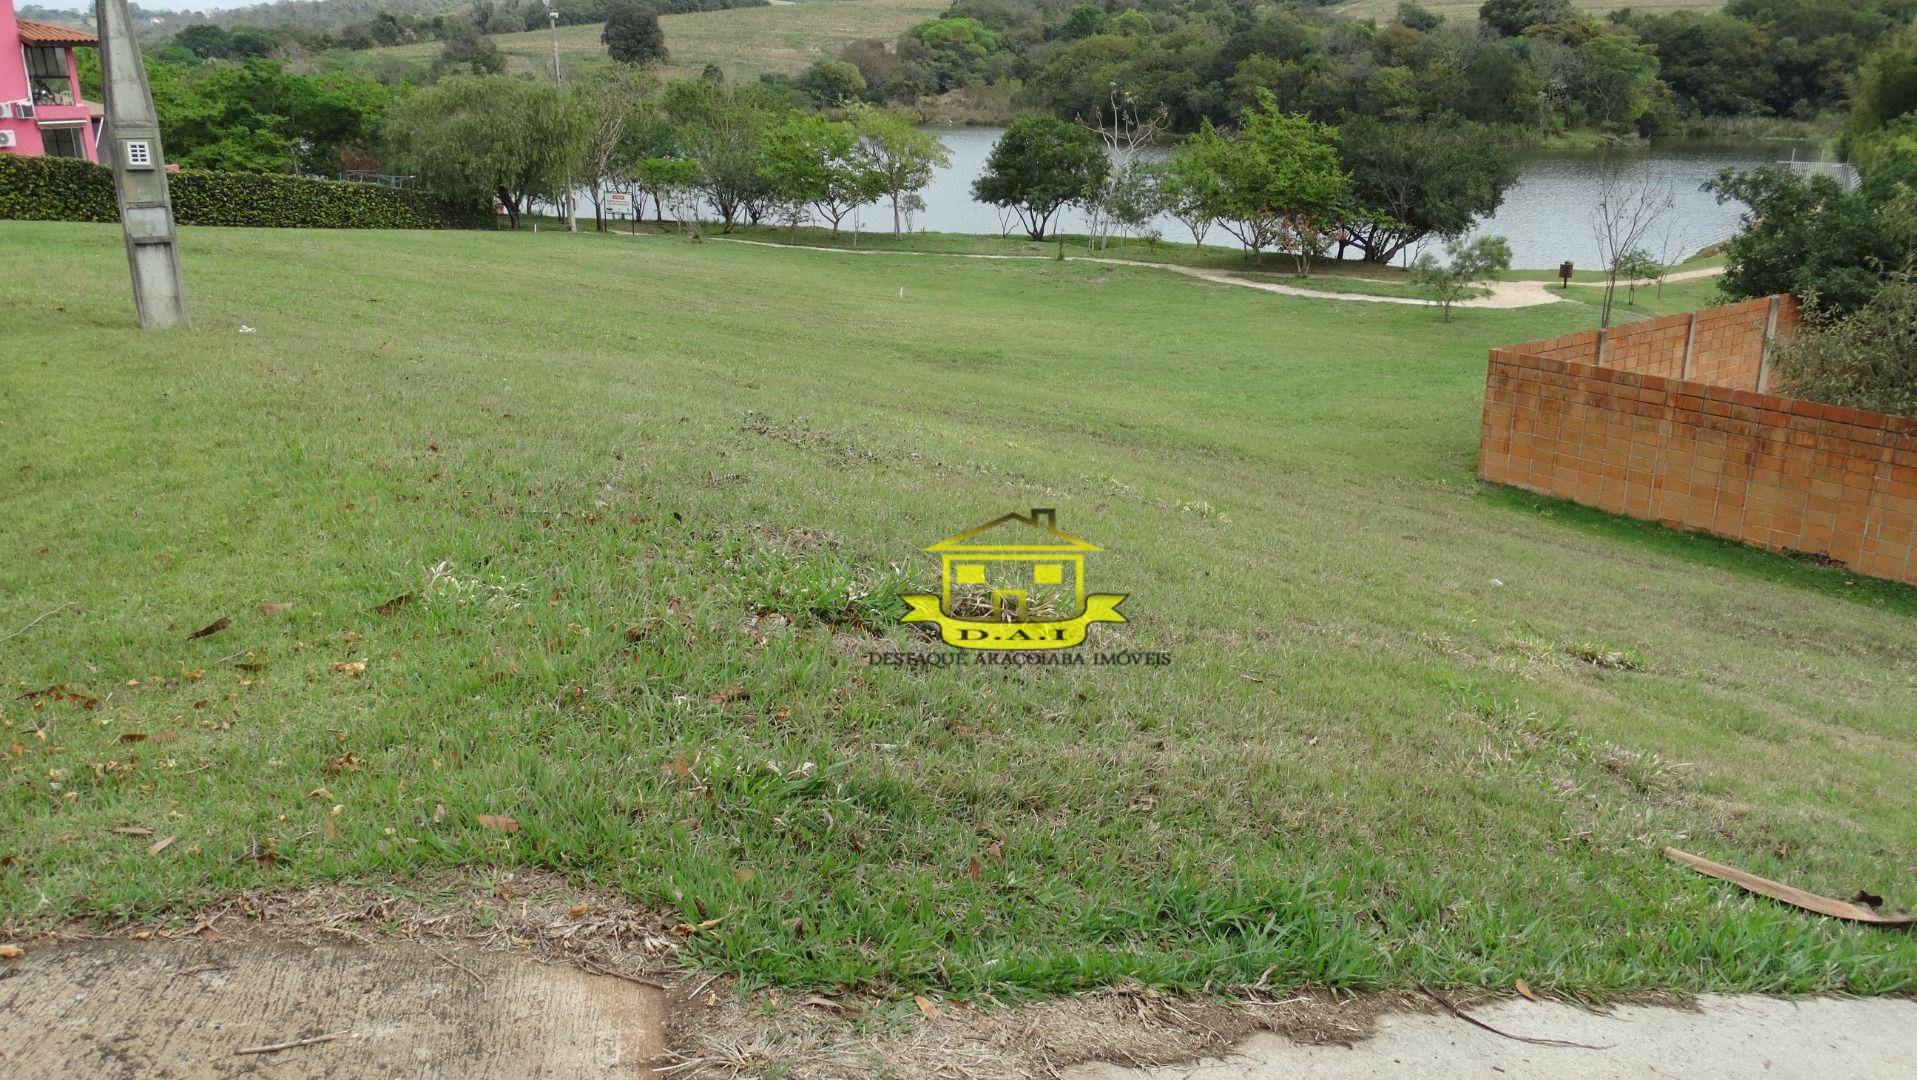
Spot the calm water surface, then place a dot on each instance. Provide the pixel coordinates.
(1546, 215)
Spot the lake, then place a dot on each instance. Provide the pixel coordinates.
(1546, 215)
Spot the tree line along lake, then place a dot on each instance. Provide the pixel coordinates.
(1546, 215)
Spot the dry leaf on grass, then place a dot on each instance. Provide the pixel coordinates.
(275, 608)
(354, 668)
(728, 692)
(161, 845)
(744, 874)
(134, 832)
(1524, 989)
(926, 1007)
(577, 910)
(211, 628)
(391, 607)
(11, 952)
(495, 821)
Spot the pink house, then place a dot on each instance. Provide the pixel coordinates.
(41, 110)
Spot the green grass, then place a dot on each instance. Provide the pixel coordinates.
(780, 39)
(599, 465)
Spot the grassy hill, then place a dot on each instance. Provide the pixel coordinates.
(598, 533)
(784, 38)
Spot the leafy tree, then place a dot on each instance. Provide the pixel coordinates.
(1637, 267)
(901, 157)
(815, 162)
(1415, 16)
(831, 83)
(1275, 179)
(632, 34)
(1468, 262)
(962, 51)
(1806, 236)
(1513, 17)
(1413, 181)
(1887, 86)
(473, 138)
(1040, 164)
(723, 130)
(609, 101)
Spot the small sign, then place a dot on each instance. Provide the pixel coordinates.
(138, 154)
(619, 200)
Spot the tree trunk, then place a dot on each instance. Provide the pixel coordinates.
(895, 215)
(512, 207)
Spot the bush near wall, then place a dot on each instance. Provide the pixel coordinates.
(68, 189)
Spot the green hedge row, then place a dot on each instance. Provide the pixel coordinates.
(69, 189)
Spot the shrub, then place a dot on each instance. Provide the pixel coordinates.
(67, 189)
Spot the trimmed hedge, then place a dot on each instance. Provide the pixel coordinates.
(69, 189)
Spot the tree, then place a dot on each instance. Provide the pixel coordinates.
(722, 129)
(902, 158)
(1887, 85)
(1638, 267)
(473, 138)
(1188, 192)
(817, 161)
(608, 102)
(632, 34)
(1806, 236)
(1275, 179)
(831, 83)
(1511, 18)
(1626, 210)
(1468, 263)
(1040, 164)
(1413, 181)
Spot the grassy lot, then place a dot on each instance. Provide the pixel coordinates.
(596, 533)
(745, 42)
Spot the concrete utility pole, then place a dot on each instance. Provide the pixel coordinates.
(139, 174)
(572, 205)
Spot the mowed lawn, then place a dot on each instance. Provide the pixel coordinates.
(597, 533)
(780, 39)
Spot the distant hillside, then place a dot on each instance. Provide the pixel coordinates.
(745, 42)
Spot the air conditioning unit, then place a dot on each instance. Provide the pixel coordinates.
(7, 139)
(6, 109)
(23, 109)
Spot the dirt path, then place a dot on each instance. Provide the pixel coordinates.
(194, 1009)
(1503, 294)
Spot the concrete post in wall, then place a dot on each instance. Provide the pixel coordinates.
(1770, 335)
(1690, 347)
(139, 174)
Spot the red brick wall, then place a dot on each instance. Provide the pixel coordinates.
(1707, 452)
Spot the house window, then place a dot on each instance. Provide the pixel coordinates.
(63, 142)
(47, 75)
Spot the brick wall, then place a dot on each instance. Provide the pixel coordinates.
(1610, 420)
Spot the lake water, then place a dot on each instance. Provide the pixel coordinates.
(1546, 215)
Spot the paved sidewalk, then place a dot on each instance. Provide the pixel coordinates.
(1726, 1038)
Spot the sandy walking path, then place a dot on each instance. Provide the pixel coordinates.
(1502, 294)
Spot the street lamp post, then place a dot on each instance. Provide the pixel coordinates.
(139, 174)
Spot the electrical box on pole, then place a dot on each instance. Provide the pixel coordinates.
(139, 174)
